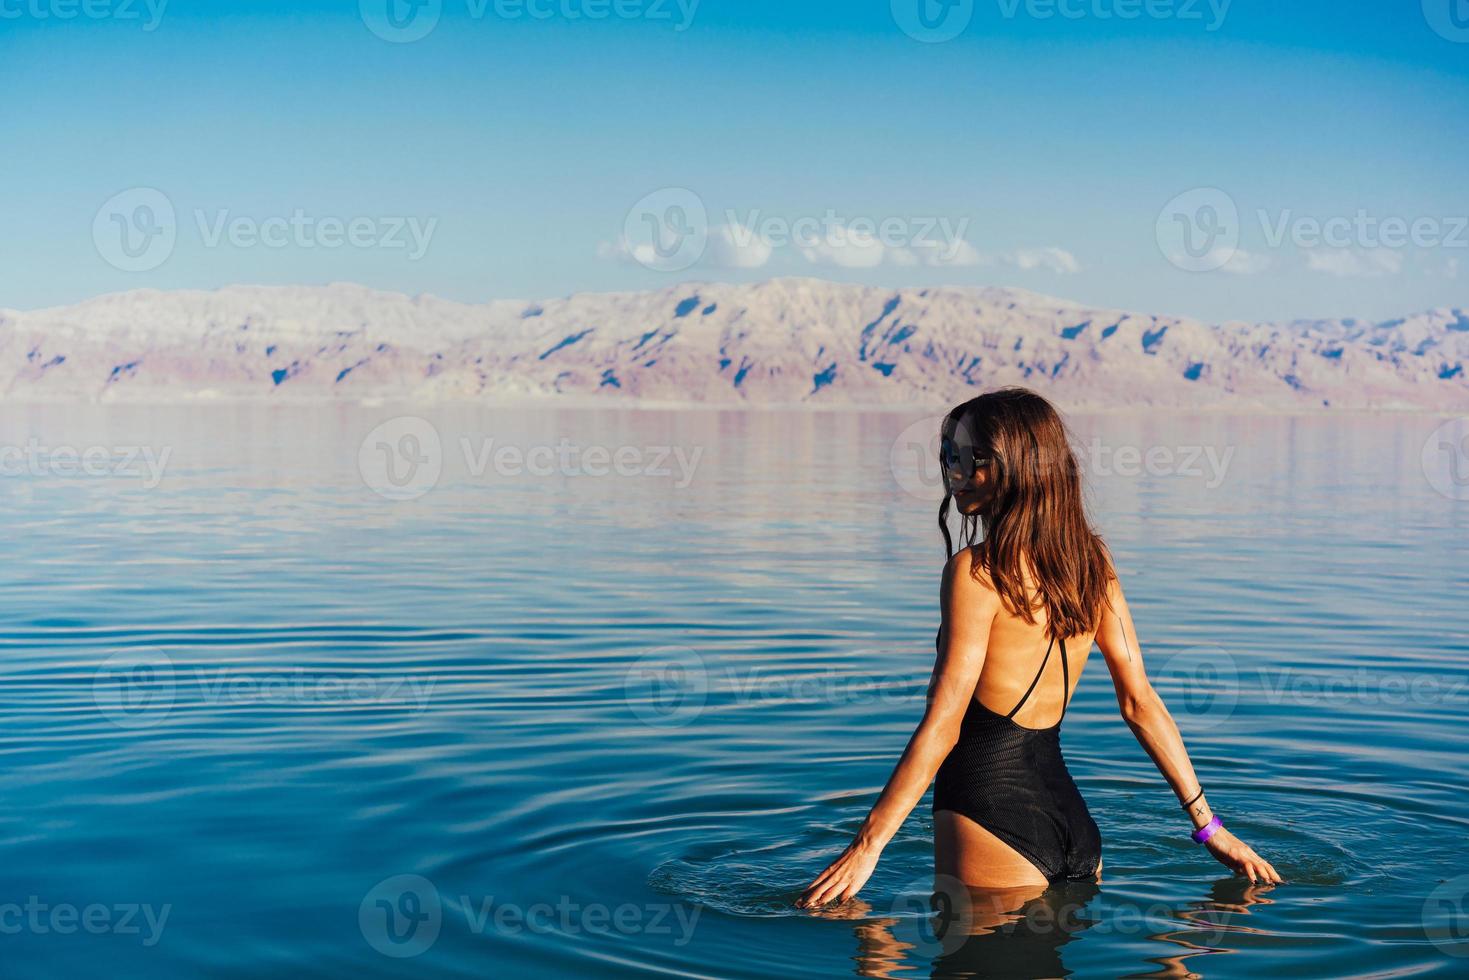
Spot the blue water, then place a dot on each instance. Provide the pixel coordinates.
(260, 718)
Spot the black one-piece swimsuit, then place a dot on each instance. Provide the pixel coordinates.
(1013, 782)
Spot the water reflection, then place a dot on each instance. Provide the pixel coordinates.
(1021, 932)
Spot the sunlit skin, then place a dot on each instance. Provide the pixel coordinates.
(989, 654)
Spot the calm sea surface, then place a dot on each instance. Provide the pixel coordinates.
(596, 692)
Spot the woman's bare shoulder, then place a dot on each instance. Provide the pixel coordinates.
(964, 573)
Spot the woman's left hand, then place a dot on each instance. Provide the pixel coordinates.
(842, 879)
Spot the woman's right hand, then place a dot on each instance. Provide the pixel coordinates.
(1241, 858)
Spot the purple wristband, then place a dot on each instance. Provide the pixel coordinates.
(1202, 835)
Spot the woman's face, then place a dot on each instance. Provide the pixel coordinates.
(969, 471)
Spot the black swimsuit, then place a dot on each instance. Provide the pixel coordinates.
(1012, 781)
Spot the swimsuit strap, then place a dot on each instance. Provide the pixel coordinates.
(1065, 681)
(1037, 680)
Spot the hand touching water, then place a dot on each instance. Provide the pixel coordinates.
(842, 879)
(1241, 858)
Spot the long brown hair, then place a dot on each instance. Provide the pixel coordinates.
(1035, 520)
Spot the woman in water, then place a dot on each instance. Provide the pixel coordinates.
(1021, 609)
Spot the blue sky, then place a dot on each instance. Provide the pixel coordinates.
(1183, 160)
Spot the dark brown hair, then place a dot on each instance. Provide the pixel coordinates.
(1035, 520)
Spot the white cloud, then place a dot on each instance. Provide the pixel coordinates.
(955, 254)
(1050, 258)
(1347, 263)
(736, 247)
(1243, 263)
(846, 249)
(624, 251)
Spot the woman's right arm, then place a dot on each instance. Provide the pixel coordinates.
(1148, 717)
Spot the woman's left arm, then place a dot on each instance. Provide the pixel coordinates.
(968, 606)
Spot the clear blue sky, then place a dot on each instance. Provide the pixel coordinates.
(1055, 134)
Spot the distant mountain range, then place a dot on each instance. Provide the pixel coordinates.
(782, 342)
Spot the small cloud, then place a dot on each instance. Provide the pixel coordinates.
(1052, 259)
(1243, 263)
(846, 249)
(624, 251)
(1347, 263)
(737, 247)
(1452, 269)
(957, 254)
(948, 255)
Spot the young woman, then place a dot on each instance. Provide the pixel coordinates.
(1021, 608)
